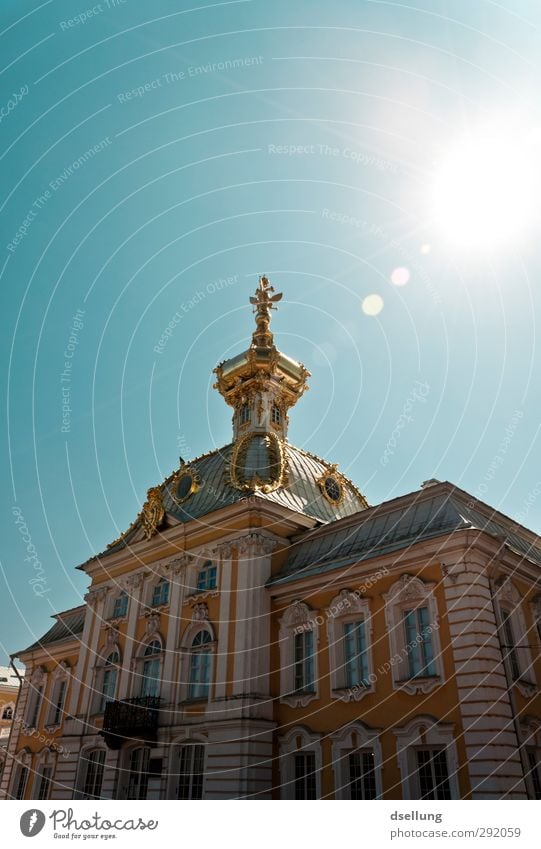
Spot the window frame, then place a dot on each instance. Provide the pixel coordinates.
(510, 613)
(409, 593)
(196, 747)
(347, 608)
(296, 619)
(87, 762)
(161, 593)
(121, 599)
(352, 738)
(298, 741)
(37, 685)
(425, 732)
(209, 568)
(147, 657)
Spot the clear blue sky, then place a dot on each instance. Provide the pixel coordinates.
(150, 150)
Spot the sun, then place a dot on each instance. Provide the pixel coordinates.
(484, 191)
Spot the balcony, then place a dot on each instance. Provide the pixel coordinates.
(130, 719)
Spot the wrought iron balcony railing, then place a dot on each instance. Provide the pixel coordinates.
(130, 719)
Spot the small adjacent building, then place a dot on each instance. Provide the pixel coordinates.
(261, 631)
(9, 690)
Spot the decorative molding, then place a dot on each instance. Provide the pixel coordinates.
(94, 596)
(200, 613)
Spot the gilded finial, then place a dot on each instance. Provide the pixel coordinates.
(263, 302)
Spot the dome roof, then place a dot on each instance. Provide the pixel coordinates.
(267, 467)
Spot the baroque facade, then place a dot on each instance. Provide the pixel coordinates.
(260, 631)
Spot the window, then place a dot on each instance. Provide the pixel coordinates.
(298, 640)
(349, 632)
(21, 778)
(305, 775)
(92, 767)
(206, 577)
(108, 680)
(7, 713)
(200, 662)
(428, 759)
(161, 593)
(150, 677)
(44, 782)
(120, 607)
(355, 654)
(300, 764)
(57, 702)
(34, 705)
(419, 643)
(191, 772)
(357, 762)
(534, 771)
(411, 614)
(138, 773)
(433, 774)
(245, 414)
(509, 645)
(276, 415)
(304, 661)
(361, 775)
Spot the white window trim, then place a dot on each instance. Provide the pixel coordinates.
(347, 607)
(408, 593)
(355, 737)
(509, 601)
(298, 740)
(197, 562)
(425, 732)
(297, 616)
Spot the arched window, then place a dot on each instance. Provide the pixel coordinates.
(91, 769)
(160, 594)
(200, 663)
(150, 673)
(120, 606)
(276, 414)
(138, 773)
(108, 680)
(7, 713)
(245, 414)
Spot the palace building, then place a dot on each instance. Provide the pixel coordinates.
(261, 632)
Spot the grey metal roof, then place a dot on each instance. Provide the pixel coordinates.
(418, 516)
(68, 626)
(300, 492)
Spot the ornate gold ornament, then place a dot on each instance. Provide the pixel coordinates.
(153, 512)
(185, 482)
(276, 465)
(332, 486)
